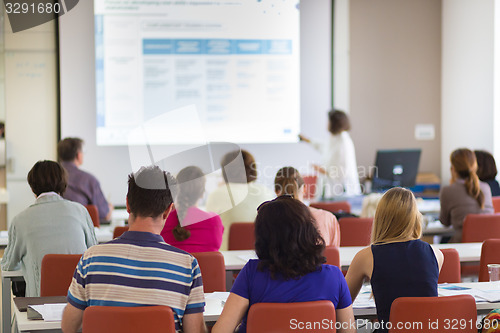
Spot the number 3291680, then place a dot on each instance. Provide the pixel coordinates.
(32, 8)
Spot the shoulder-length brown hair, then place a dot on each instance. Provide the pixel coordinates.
(338, 122)
(397, 217)
(286, 239)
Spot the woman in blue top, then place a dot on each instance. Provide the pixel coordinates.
(397, 263)
(289, 269)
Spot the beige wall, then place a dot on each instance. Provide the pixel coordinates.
(468, 84)
(395, 77)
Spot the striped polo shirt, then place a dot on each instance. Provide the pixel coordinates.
(138, 269)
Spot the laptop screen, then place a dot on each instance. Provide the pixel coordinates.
(396, 168)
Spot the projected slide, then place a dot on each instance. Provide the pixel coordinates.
(235, 63)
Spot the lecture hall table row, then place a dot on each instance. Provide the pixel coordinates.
(214, 308)
(235, 260)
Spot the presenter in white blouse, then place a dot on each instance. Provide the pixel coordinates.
(339, 158)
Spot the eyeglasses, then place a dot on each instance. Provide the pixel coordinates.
(280, 197)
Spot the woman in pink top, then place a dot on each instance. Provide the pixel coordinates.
(187, 227)
(289, 182)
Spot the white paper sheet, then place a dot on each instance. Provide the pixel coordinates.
(247, 257)
(50, 312)
(220, 295)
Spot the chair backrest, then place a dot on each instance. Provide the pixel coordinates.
(450, 271)
(355, 231)
(56, 273)
(479, 227)
(213, 270)
(496, 204)
(433, 314)
(280, 317)
(334, 206)
(242, 236)
(332, 255)
(94, 214)
(119, 230)
(310, 187)
(490, 254)
(118, 319)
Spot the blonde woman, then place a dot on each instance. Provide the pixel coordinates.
(288, 181)
(398, 263)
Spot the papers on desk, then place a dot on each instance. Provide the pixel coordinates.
(247, 257)
(219, 295)
(491, 296)
(364, 300)
(50, 312)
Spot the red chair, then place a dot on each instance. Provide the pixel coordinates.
(94, 214)
(119, 230)
(496, 204)
(56, 273)
(450, 271)
(334, 206)
(490, 254)
(280, 317)
(310, 186)
(213, 270)
(332, 255)
(479, 227)
(355, 231)
(433, 314)
(124, 319)
(241, 236)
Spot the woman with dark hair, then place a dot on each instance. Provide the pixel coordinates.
(288, 181)
(238, 197)
(339, 158)
(51, 225)
(188, 227)
(466, 194)
(289, 269)
(487, 170)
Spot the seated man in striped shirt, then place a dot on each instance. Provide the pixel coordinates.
(139, 268)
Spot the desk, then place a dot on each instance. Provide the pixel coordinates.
(214, 308)
(235, 260)
(468, 252)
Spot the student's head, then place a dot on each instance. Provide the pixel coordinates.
(286, 239)
(397, 217)
(47, 176)
(338, 122)
(69, 149)
(234, 174)
(464, 165)
(149, 192)
(486, 166)
(289, 181)
(191, 186)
